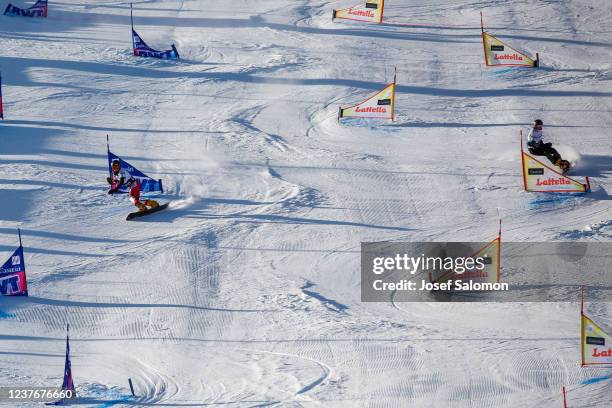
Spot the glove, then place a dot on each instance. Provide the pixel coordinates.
(109, 180)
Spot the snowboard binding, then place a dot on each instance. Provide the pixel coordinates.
(564, 165)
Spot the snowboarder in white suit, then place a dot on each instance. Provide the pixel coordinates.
(120, 178)
(536, 145)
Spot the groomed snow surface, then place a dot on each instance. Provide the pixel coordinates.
(246, 291)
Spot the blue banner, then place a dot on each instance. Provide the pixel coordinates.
(147, 184)
(141, 49)
(68, 383)
(37, 10)
(13, 281)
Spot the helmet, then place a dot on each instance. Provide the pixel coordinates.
(538, 122)
(116, 161)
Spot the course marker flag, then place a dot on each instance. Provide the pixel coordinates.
(370, 12)
(141, 49)
(542, 178)
(39, 9)
(68, 383)
(1, 107)
(595, 344)
(13, 280)
(68, 388)
(491, 253)
(498, 53)
(564, 398)
(381, 105)
(147, 184)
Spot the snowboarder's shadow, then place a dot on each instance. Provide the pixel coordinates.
(593, 166)
(599, 193)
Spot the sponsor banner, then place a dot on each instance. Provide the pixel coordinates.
(379, 105)
(371, 12)
(596, 344)
(13, 281)
(39, 9)
(147, 184)
(499, 53)
(527, 272)
(539, 177)
(489, 256)
(141, 49)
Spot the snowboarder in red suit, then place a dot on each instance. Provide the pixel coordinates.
(120, 178)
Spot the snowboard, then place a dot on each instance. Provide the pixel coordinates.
(56, 403)
(137, 214)
(565, 166)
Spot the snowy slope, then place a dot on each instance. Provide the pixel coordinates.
(246, 291)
